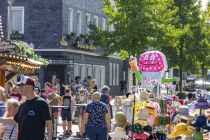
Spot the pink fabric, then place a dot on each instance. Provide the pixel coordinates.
(152, 61)
(141, 136)
(49, 90)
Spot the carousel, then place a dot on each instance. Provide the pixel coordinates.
(17, 57)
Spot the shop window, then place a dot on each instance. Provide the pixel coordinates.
(76, 70)
(88, 70)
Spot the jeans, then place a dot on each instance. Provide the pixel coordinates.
(96, 133)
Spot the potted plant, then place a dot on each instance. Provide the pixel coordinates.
(63, 42)
(16, 35)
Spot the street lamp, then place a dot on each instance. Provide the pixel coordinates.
(9, 19)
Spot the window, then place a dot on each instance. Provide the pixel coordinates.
(117, 75)
(70, 20)
(76, 70)
(88, 70)
(96, 20)
(79, 21)
(82, 71)
(114, 74)
(110, 73)
(103, 24)
(87, 22)
(17, 19)
(94, 72)
(102, 74)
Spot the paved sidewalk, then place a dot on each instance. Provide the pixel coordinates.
(74, 131)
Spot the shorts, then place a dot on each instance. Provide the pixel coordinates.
(66, 115)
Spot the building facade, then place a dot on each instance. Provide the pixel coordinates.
(58, 29)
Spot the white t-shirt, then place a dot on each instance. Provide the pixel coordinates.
(10, 132)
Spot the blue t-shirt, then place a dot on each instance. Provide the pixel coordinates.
(105, 98)
(97, 113)
(2, 108)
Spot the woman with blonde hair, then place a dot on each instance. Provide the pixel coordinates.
(10, 131)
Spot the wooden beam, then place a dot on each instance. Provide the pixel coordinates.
(2, 78)
(9, 76)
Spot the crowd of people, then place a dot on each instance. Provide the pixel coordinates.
(27, 112)
(25, 104)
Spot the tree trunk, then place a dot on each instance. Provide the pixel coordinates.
(180, 69)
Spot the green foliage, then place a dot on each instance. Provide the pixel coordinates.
(123, 55)
(137, 25)
(23, 49)
(175, 27)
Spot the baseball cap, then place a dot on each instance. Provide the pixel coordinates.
(25, 80)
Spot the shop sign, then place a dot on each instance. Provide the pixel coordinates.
(61, 62)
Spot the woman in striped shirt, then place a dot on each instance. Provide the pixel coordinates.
(10, 131)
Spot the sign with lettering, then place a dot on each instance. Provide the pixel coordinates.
(150, 78)
(61, 62)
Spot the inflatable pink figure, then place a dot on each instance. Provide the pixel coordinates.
(152, 61)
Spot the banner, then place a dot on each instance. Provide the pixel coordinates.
(150, 79)
(152, 65)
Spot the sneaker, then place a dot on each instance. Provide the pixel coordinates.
(68, 132)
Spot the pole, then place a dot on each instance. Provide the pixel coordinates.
(133, 90)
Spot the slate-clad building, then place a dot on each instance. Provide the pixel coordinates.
(58, 29)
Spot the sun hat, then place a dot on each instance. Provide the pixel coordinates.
(151, 110)
(156, 107)
(201, 121)
(118, 114)
(81, 90)
(179, 130)
(144, 95)
(147, 129)
(25, 80)
(202, 104)
(138, 132)
(198, 135)
(184, 111)
(141, 136)
(119, 132)
(207, 112)
(143, 113)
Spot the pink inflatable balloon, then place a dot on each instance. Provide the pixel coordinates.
(152, 61)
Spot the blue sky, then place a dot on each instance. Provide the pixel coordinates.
(204, 2)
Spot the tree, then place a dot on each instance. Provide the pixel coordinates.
(137, 26)
(174, 27)
(190, 54)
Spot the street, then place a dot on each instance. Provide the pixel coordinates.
(74, 130)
